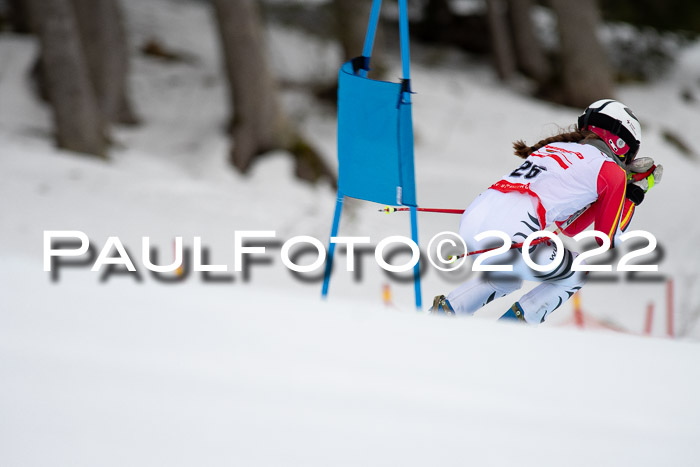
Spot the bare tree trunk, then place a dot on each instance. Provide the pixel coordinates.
(259, 123)
(438, 12)
(441, 25)
(586, 72)
(502, 44)
(102, 33)
(20, 18)
(351, 25)
(529, 52)
(77, 117)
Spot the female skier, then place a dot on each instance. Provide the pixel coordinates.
(588, 175)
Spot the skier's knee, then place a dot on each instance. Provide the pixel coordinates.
(503, 284)
(567, 277)
(579, 278)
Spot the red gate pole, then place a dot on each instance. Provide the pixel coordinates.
(578, 313)
(649, 319)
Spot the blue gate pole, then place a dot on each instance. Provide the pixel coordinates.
(416, 268)
(331, 246)
(403, 33)
(371, 32)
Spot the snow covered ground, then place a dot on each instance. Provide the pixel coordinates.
(130, 375)
(262, 372)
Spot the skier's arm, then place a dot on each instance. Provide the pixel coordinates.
(611, 204)
(627, 213)
(581, 222)
(611, 212)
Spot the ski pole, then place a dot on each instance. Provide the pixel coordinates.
(559, 230)
(389, 210)
(635, 177)
(514, 245)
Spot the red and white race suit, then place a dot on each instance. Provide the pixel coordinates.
(551, 185)
(566, 177)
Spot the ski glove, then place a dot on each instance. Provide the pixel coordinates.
(642, 175)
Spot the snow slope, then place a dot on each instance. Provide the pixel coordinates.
(130, 375)
(261, 372)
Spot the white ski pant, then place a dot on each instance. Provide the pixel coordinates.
(515, 215)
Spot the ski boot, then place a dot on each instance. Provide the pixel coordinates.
(514, 313)
(441, 306)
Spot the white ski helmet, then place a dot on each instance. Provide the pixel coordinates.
(616, 125)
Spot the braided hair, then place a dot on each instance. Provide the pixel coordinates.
(566, 135)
